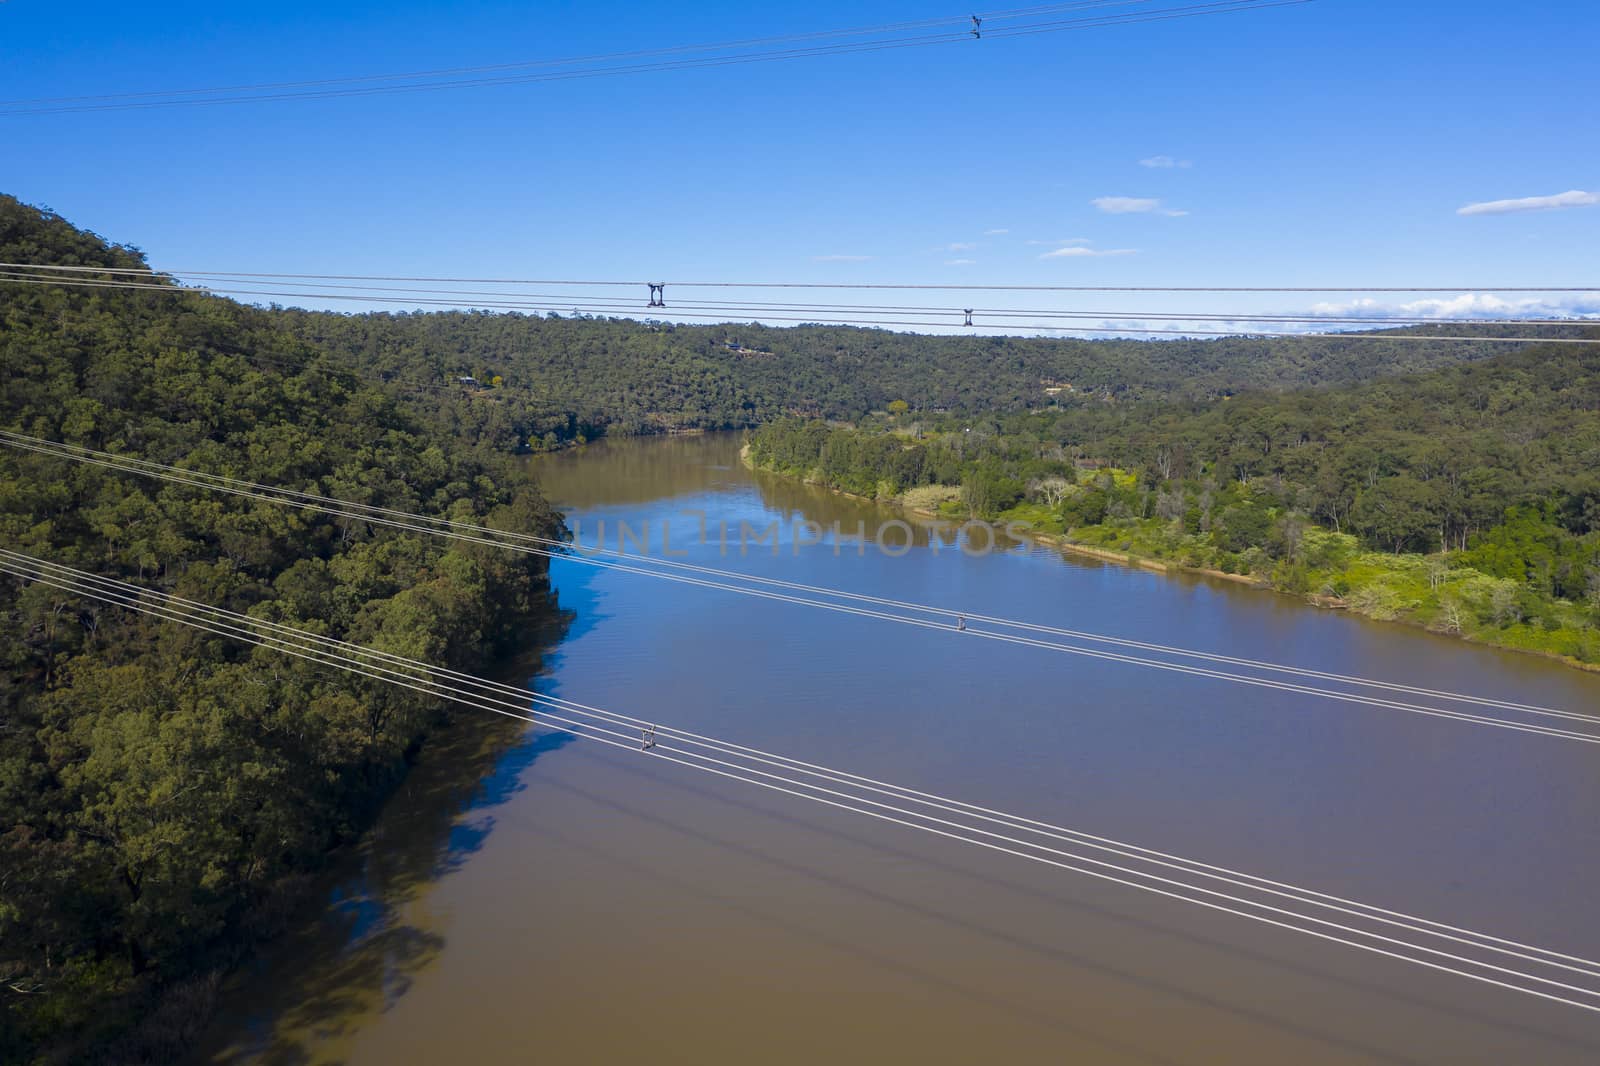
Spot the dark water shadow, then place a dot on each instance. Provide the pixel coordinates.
(581, 614)
(360, 949)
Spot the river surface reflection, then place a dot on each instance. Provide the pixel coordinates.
(535, 898)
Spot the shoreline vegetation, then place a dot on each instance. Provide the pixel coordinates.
(1248, 537)
(1014, 527)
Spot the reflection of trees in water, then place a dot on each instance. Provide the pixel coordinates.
(649, 470)
(797, 501)
(638, 470)
(362, 949)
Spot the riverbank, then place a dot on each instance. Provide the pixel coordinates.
(1038, 536)
(1375, 586)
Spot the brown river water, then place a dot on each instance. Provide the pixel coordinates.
(530, 897)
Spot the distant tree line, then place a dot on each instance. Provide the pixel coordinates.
(570, 378)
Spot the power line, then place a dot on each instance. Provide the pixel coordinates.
(961, 20)
(554, 549)
(838, 315)
(194, 97)
(556, 301)
(1551, 975)
(1455, 289)
(988, 16)
(382, 515)
(197, 609)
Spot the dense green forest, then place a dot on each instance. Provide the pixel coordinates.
(163, 791)
(1467, 498)
(566, 377)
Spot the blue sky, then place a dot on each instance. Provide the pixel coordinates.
(1328, 143)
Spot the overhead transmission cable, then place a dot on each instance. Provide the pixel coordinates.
(858, 31)
(561, 549)
(168, 274)
(962, 30)
(556, 301)
(1546, 973)
(932, 618)
(886, 316)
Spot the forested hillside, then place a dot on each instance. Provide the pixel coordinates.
(565, 377)
(161, 789)
(1466, 498)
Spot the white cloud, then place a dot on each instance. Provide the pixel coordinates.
(995, 232)
(1125, 205)
(1325, 318)
(1134, 205)
(1165, 162)
(840, 258)
(1571, 198)
(1065, 240)
(961, 246)
(959, 262)
(1078, 251)
(1465, 307)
